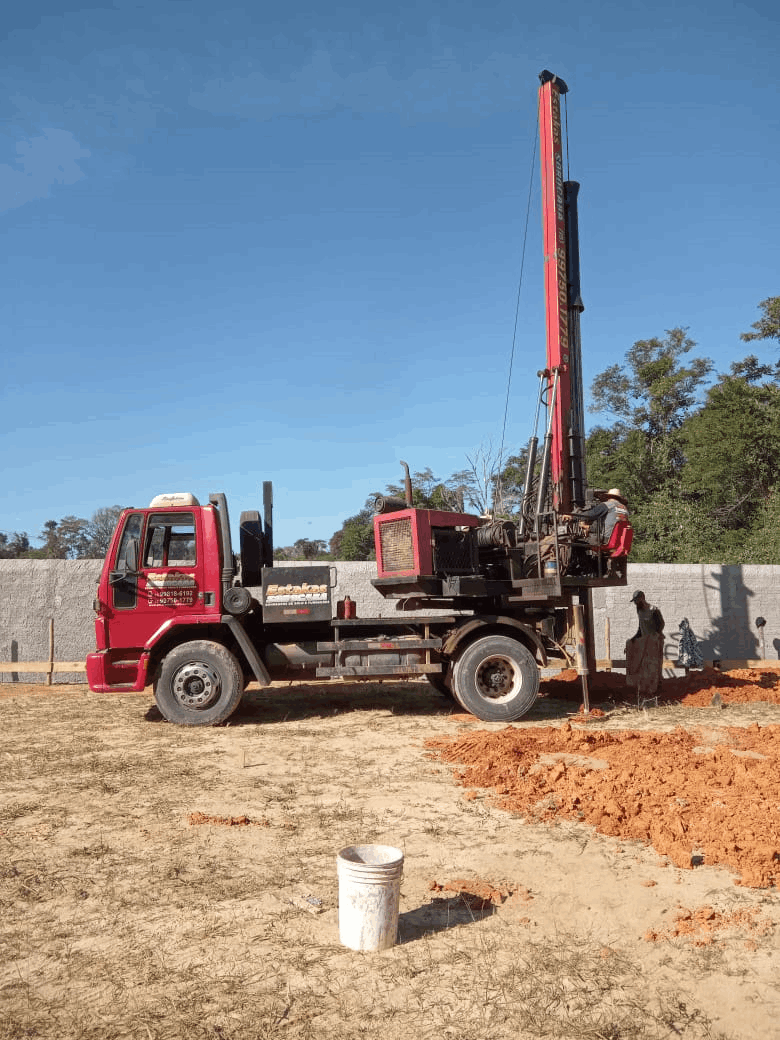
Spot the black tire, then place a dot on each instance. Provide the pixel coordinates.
(200, 684)
(496, 678)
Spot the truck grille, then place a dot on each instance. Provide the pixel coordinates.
(396, 545)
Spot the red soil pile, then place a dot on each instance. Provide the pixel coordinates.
(712, 797)
(698, 927)
(695, 690)
(480, 894)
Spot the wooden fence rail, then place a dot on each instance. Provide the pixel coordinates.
(50, 668)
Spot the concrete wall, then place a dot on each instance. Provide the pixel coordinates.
(32, 592)
(720, 603)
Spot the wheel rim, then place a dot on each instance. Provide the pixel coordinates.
(196, 685)
(498, 679)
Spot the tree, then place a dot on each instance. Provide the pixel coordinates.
(355, 540)
(486, 486)
(762, 543)
(731, 446)
(69, 538)
(657, 391)
(651, 396)
(309, 548)
(768, 325)
(510, 484)
(66, 539)
(428, 491)
(14, 546)
(100, 529)
(611, 456)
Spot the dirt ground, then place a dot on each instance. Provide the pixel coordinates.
(610, 877)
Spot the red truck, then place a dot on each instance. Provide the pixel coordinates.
(481, 602)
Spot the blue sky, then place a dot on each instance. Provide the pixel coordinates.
(284, 241)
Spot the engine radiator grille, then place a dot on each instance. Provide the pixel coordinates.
(396, 545)
(454, 552)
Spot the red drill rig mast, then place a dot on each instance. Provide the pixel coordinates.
(563, 303)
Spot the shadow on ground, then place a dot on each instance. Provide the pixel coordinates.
(299, 702)
(439, 915)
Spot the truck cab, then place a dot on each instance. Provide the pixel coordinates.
(162, 571)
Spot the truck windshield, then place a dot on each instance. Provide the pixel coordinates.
(170, 540)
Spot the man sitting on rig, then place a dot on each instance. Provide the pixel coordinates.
(609, 508)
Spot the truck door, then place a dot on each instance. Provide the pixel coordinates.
(157, 576)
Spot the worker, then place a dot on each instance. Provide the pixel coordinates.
(617, 510)
(645, 650)
(610, 507)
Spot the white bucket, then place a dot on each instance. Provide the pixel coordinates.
(369, 892)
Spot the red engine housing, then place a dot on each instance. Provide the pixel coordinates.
(415, 542)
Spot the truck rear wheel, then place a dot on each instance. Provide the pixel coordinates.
(496, 678)
(200, 684)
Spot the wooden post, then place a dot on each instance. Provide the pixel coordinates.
(51, 652)
(607, 645)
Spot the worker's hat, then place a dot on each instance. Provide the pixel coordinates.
(637, 595)
(618, 494)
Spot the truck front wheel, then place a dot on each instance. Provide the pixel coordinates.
(496, 678)
(200, 684)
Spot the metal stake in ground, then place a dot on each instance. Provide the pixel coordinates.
(582, 654)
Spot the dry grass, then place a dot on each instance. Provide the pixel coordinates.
(121, 919)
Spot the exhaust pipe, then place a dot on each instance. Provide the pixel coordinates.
(407, 486)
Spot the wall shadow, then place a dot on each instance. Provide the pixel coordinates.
(732, 633)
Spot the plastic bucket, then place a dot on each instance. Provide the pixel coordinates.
(369, 892)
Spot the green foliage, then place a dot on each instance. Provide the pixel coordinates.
(309, 549)
(655, 391)
(670, 528)
(651, 396)
(762, 544)
(732, 448)
(355, 539)
(768, 325)
(613, 458)
(428, 491)
(14, 546)
(700, 476)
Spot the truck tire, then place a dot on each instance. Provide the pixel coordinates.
(200, 684)
(496, 678)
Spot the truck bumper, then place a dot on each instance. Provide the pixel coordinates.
(109, 670)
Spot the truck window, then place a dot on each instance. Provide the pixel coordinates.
(170, 540)
(133, 527)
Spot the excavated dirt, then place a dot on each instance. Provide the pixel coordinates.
(697, 689)
(711, 797)
(699, 927)
(481, 894)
